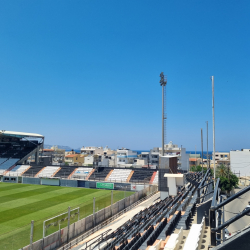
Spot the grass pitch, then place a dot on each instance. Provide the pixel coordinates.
(21, 203)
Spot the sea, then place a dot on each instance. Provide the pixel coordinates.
(188, 152)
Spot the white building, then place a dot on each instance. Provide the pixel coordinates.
(222, 158)
(240, 162)
(125, 156)
(92, 150)
(169, 149)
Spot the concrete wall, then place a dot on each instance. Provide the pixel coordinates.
(240, 162)
(28, 180)
(69, 183)
(11, 179)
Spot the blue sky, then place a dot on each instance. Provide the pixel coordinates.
(86, 72)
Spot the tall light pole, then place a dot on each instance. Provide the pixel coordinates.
(212, 78)
(202, 151)
(207, 143)
(163, 83)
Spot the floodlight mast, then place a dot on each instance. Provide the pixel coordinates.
(163, 83)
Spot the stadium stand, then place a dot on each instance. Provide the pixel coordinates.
(15, 147)
(152, 227)
(48, 171)
(81, 173)
(7, 164)
(141, 176)
(33, 171)
(119, 175)
(100, 174)
(17, 170)
(65, 172)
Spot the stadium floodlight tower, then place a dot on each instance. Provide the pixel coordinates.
(163, 83)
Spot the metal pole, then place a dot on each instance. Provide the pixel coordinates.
(195, 157)
(43, 229)
(207, 144)
(162, 120)
(202, 151)
(94, 211)
(31, 234)
(68, 224)
(111, 202)
(213, 127)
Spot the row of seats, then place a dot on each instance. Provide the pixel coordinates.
(149, 225)
(7, 164)
(31, 172)
(48, 171)
(100, 174)
(141, 176)
(18, 170)
(82, 172)
(119, 175)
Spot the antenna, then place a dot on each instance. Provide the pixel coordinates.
(163, 83)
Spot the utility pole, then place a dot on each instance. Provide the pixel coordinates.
(207, 144)
(195, 157)
(163, 83)
(202, 151)
(212, 78)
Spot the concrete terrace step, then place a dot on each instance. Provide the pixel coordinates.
(152, 178)
(40, 171)
(56, 172)
(130, 175)
(110, 172)
(72, 173)
(25, 170)
(92, 171)
(9, 169)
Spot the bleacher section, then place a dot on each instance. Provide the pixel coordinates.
(48, 171)
(100, 174)
(119, 175)
(141, 176)
(151, 228)
(31, 172)
(7, 164)
(64, 172)
(13, 149)
(17, 170)
(81, 173)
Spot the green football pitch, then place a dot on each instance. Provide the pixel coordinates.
(21, 203)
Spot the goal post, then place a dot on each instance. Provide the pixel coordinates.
(60, 219)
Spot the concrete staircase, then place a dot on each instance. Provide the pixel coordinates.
(9, 169)
(25, 170)
(72, 173)
(40, 171)
(56, 172)
(130, 175)
(92, 171)
(107, 177)
(152, 178)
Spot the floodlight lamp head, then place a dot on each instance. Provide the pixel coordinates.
(163, 80)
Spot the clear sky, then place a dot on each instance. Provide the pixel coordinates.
(86, 72)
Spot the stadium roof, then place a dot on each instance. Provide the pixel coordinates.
(19, 134)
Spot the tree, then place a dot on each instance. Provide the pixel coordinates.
(228, 180)
(198, 169)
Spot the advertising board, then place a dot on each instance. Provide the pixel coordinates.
(105, 185)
